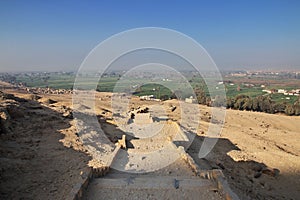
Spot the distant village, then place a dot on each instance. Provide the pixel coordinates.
(39, 90)
(295, 92)
(228, 76)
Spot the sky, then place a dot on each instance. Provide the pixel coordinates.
(58, 35)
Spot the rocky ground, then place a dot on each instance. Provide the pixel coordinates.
(39, 157)
(42, 157)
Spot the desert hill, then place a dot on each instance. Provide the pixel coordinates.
(42, 157)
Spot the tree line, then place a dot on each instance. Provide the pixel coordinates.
(244, 102)
(263, 104)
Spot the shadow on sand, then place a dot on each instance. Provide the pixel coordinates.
(34, 164)
(248, 179)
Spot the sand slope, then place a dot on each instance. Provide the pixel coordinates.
(33, 158)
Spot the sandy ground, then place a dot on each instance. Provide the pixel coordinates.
(41, 157)
(34, 163)
(249, 142)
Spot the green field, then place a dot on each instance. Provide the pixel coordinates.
(108, 84)
(53, 81)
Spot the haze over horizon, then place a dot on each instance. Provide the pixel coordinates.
(58, 35)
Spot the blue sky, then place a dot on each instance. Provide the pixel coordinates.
(57, 35)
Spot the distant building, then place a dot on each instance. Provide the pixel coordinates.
(238, 74)
(190, 100)
(149, 98)
(249, 85)
(295, 92)
(268, 91)
(281, 91)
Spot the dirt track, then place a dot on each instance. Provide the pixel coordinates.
(38, 160)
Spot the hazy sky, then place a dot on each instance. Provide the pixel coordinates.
(57, 35)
